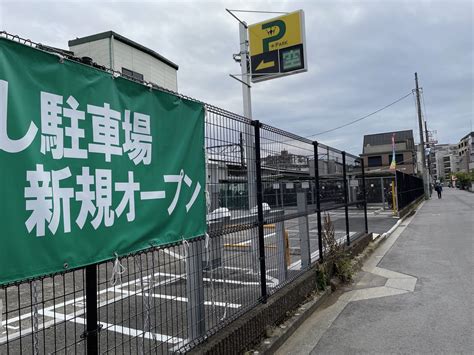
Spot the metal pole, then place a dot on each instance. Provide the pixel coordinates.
(249, 137)
(318, 201)
(281, 249)
(92, 328)
(305, 247)
(261, 234)
(395, 195)
(195, 290)
(422, 141)
(346, 207)
(382, 188)
(429, 160)
(365, 196)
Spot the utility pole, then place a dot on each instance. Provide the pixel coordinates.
(422, 141)
(428, 145)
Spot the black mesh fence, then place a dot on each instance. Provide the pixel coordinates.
(409, 188)
(266, 191)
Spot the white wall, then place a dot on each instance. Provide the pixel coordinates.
(152, 69)
(97, 50)
(125, 56)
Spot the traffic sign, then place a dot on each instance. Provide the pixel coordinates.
(277, 47)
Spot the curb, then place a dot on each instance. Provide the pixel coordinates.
(282, 332)
(413, 211)
(391, 230)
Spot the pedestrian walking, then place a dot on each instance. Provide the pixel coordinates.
(438, 189)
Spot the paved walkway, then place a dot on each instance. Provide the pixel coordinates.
(414, 295)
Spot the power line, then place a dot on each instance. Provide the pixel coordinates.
(361, 118)
(259, 12)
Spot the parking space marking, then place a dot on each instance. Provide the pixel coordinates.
(120, 329)
(180, 299)
(173, 254)
(249, 241)
(119, 294)
(45, 312)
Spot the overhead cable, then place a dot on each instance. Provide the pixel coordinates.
(361, 118)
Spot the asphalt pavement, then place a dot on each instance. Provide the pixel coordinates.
(413, 296)
(159, 281)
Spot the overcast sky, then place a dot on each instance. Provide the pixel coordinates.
(362, 55)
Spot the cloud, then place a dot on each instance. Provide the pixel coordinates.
(361, 56)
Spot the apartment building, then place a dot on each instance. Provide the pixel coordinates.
(128, 57)
(377, 151)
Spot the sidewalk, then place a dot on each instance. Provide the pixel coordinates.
(414, 295)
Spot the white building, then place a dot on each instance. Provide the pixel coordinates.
(128, 57)
(466, 152)
(446, 162)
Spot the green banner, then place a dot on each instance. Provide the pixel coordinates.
(90, 165)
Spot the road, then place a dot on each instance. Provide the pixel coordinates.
(414, 294)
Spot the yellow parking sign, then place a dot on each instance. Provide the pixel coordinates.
(277, 46)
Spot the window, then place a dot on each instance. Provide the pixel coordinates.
(374, 161)
(132, 74)
(398, 158)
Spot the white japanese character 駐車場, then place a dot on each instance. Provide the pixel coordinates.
(74, 132)
(105, 131)
(137, 141)
(52, 136)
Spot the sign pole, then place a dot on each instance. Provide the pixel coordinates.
(249, 131)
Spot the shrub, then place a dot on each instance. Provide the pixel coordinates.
(335, 254)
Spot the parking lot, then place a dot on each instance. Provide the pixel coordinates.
(153, 292)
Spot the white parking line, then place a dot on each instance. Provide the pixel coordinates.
(122, 294)
(249, 241)
(180, 299)
(297, 230)
(48, 310)
(120, 329)
(173, 254)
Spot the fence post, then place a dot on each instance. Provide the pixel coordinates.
(305, 249)
(195, 290)
(92, 327)
(261, 234)
(365, 195)
(281, 249)
(318, 201)
(346, 207)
